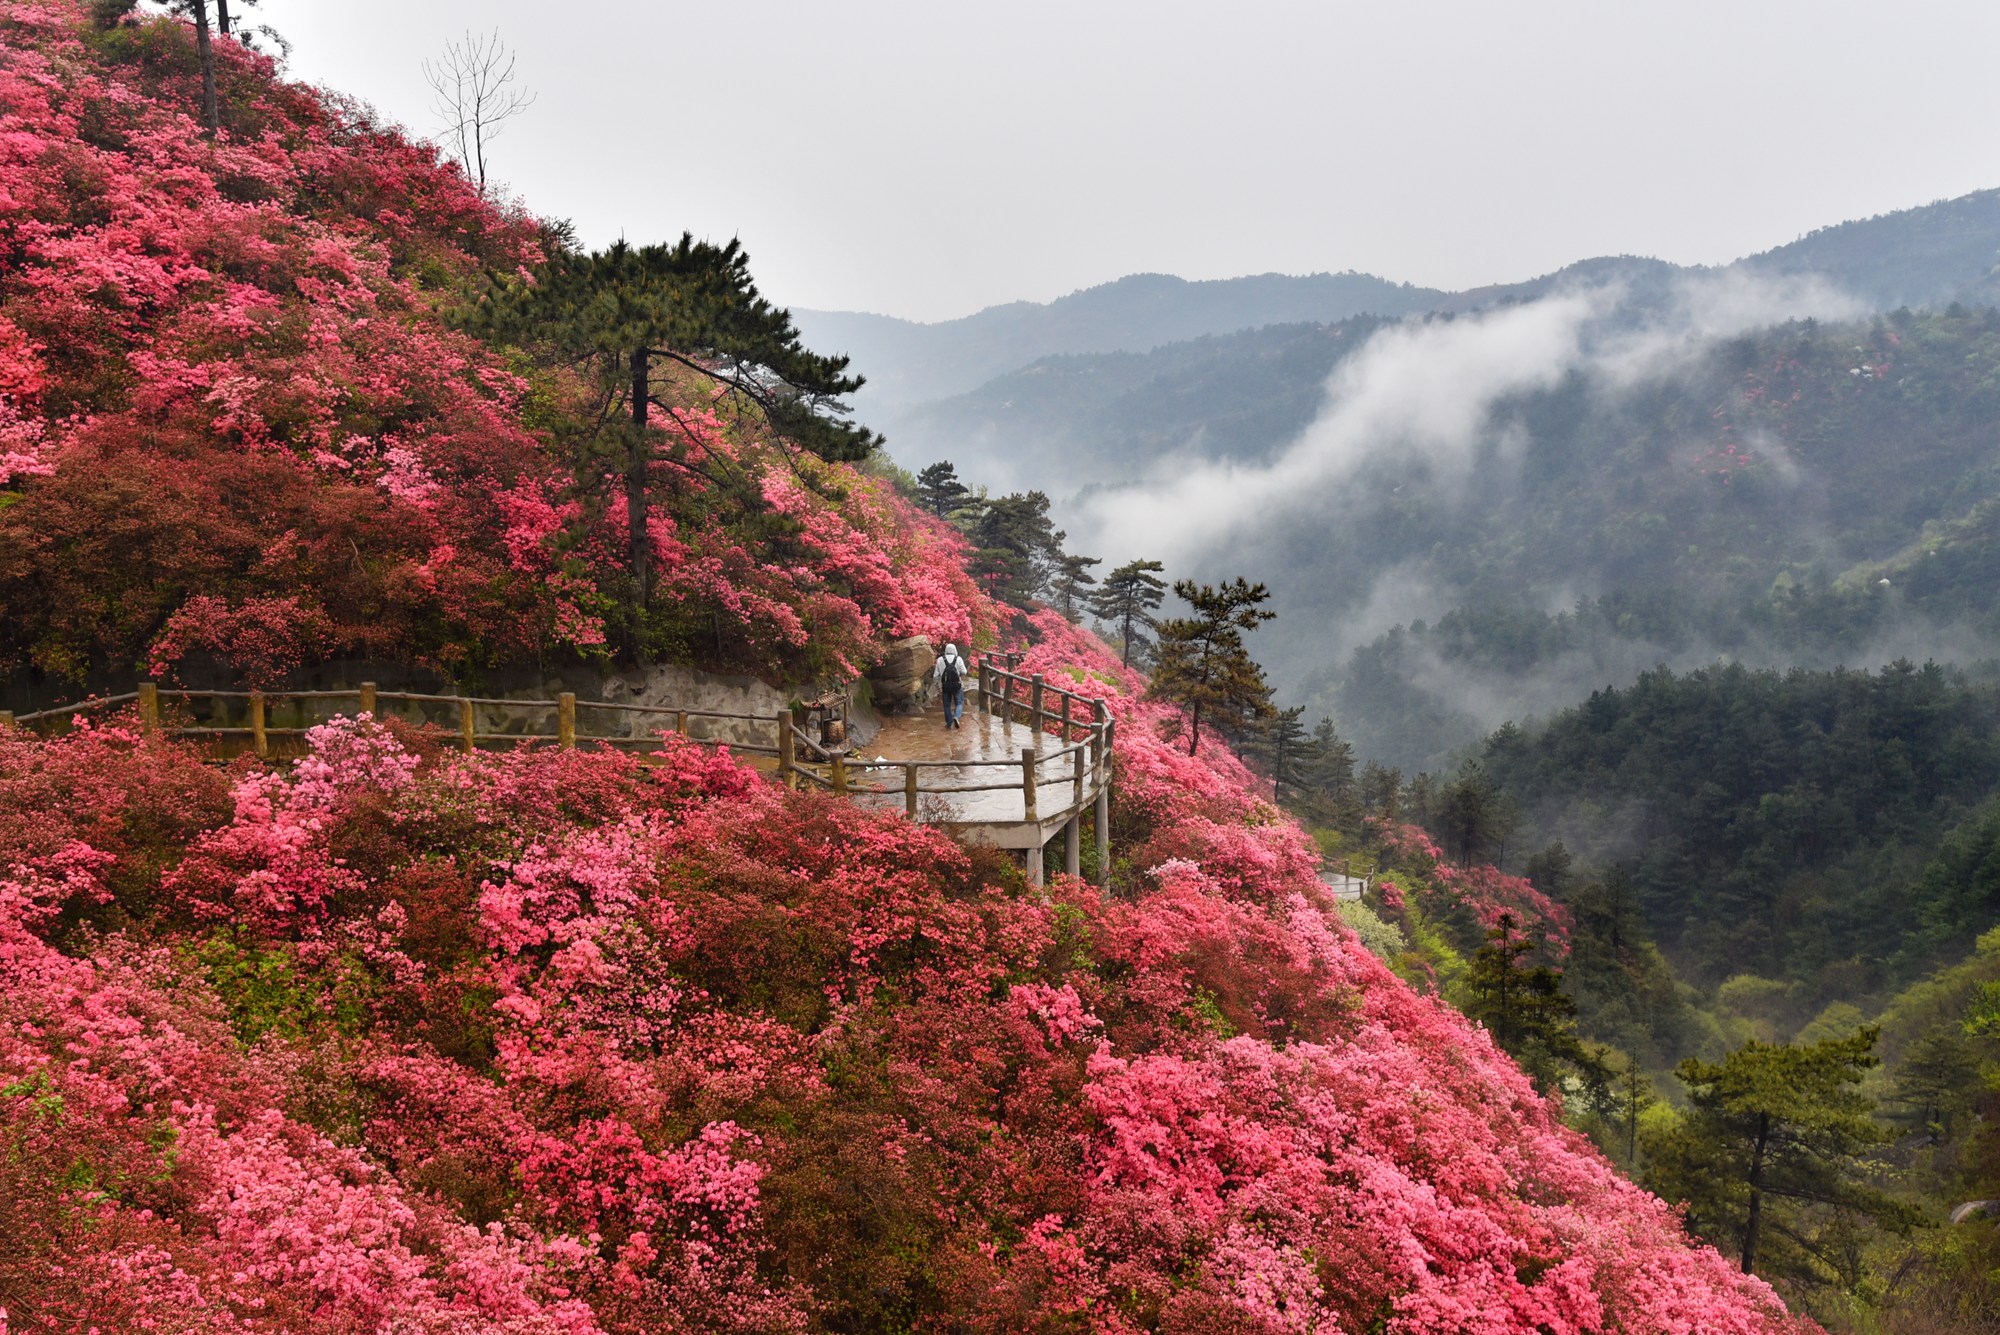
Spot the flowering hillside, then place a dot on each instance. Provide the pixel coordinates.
(400, 1040)
(235, 423)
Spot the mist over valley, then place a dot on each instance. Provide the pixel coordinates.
(1481, 506)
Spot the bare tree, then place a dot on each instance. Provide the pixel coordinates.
(475, 94)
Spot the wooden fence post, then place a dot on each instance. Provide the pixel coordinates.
(681, 722)
(787, 747)
(6, 718)
(260, 740)
(840, 773)
(1076, 788)
(1006, 697)
(910, 790)
(468, 730)
(367, 698)
(149, 705)
(566, 720)
(1028, 778)
(1035, 709)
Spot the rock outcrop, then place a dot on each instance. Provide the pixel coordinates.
(899, 681)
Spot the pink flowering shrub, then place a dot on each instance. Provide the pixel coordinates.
(232, 399)
(563, 1041)
(1486, 892)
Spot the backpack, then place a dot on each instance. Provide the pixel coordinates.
(951, 673)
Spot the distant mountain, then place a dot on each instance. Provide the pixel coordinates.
(1749, 502)
(907, 362)
(1930, 256)
(949, 389)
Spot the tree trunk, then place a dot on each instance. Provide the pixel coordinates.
(210, 118)
(641, 548)
(1632, 1113)
(222, 17)
(1756, 1218)
(1194, 721)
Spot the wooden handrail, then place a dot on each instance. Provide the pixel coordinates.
(1086, 742)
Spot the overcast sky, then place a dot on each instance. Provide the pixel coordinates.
(928, 159)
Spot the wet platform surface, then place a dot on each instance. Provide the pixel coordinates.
(980, 737)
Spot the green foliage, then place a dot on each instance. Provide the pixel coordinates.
(1068, 584)
(692, 304)
(265, 990)
(1773, 1158)
(1381, 938)
(1524, 1007)
(1777, 824)
(939, 490)
(1127, 600)
(628, 315)
(1018, 547)
(1203, 664)
(1281, 748)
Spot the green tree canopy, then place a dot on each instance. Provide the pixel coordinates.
(1018, 546)
(1771, 1156)
(1128, 598)
(939, 490)
(628, 314)
(1524, 1007)
(1203, 664)
(1072, 578)
(1282, 746)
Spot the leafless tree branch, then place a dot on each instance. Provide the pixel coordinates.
(474, 94)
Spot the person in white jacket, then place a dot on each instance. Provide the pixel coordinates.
(949, 674)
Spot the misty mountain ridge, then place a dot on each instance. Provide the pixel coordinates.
(907, 361)
(1931, 255)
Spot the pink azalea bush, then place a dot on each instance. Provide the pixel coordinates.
(232, 399)
(402, 1039)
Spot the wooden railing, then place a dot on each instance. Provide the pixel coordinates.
(264, 721)
(1055, 785)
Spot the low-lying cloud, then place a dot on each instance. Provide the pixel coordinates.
(1426, 391)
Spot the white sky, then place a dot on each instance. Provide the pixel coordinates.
(928, 159)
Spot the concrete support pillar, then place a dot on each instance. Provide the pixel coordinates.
(1073, 845)
(1102, 819)
(1034, 861)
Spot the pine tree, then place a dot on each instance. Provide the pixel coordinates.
(1771, 1156)
(1634, 1096)
(1471, 816)
(1129, 597)
(1203, 665)
(1281, 746)
(197, 10)
(1324, 791)
(1382, 791)
(1525, 1009)
(940, 491)
(1018, 547)
(1072, 577)
(630, 314)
